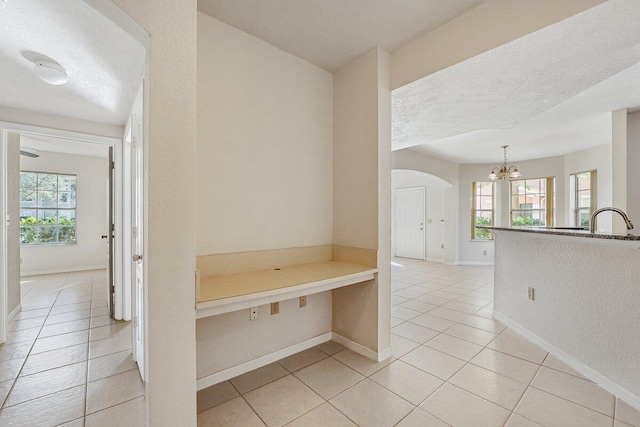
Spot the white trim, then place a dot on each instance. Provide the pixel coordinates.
(474, 263)
(63, 270)
(14, 313)
(360, 349)
(440, 260)
(58, 133)
(249, 366)
(604, 382)
(4, 285)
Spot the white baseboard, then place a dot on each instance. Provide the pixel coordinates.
(479, 263)
(604, 382)
(360, 349)
(434, 260)
(249, 366)
(14, 313)
(62, 270)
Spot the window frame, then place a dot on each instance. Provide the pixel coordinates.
(550, 201)
(475, 210)
(57, 208)
(593, 194)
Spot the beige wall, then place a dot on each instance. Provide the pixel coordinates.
(90, 251)
(244, 340)
(485, 27)
(13, 228)
(355, 153)
(170, 141)
(265, 128)
(265, 134)
(361, 209)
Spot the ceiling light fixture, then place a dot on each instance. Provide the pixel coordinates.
(50, 72)
(504, 172)
(29, 152)
(3, 3)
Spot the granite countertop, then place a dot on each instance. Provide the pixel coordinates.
(565, 231)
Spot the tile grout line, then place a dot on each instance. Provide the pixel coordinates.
(525, 391)
(29, 352)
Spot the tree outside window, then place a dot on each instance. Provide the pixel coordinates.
(482, 209)
(47, 208)
(532, 202)
(583, 188)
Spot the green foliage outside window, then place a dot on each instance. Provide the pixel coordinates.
(525, 220)
(34, 231)
(47, 208)
(483, 233)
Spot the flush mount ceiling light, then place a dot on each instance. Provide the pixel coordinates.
(504, 172)
(29, 152)
(3, 3)
(50, 72)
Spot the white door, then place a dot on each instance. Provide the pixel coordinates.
(409, 222)
(137, 235)
(110, 235)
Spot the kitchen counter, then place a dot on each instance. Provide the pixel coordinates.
(575, 294)
(566, 231)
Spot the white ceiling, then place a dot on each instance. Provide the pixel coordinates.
(548, 93)
(65, 146)
(330, 33)
(103, 62)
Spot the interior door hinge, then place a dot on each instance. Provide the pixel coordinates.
(135, 321)
(113, 165)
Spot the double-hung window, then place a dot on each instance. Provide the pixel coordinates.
(482, 209)
(533, 202)
(47, 208)
(583, 188)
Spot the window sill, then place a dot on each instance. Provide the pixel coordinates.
(28, 245)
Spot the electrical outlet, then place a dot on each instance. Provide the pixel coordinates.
(275, 308)
(442, 246)
(303, 301)
(532, 294)
(253, 313)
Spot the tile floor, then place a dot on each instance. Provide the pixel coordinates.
(452, 365)
(66, 362)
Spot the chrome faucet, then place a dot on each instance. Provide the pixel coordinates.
(592, 222)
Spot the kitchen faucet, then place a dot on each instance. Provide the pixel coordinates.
(592, 222)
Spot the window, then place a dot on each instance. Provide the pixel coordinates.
(482, 209)
(533, 202)
(583, 187)
(47, 208)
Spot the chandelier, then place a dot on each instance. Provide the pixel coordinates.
(504, 172)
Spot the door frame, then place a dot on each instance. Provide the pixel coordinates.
(424, 219)
(5, 129)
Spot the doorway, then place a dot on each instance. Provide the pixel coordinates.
(409, 219)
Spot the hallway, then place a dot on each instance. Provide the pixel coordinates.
(66, 362)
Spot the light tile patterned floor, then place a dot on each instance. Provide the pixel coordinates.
(452, 365)
(66, 362)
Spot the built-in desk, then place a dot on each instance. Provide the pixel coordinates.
(223, 294)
